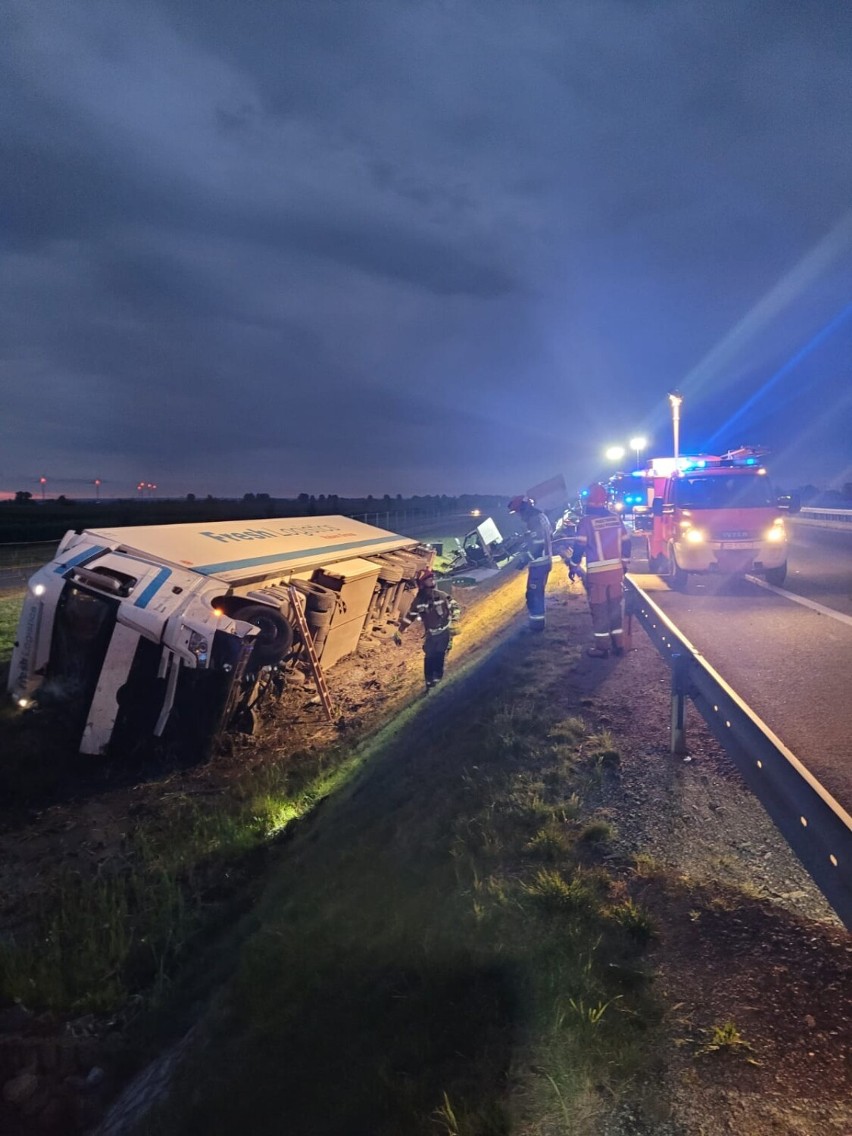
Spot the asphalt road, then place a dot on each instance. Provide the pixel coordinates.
(790, 659)
(819, 566)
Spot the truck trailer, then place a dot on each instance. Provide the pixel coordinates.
(170, 633)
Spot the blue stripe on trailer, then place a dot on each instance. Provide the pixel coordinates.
(151, 589)
(280, 557)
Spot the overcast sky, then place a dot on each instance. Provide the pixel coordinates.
(419, 246)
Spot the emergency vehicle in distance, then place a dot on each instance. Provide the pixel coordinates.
(710, 513)
(174, 632)
(625, 492)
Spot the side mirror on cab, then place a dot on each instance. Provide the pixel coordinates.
(657, 506)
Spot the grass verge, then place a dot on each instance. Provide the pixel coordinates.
(92, 939)
(441, 950)
(10, 612)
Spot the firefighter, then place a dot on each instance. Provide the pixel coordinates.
(538, 554)
(439, 615)
(605, 543)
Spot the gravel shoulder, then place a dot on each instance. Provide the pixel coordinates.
(745, 938)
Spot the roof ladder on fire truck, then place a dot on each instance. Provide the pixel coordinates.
(296, 600)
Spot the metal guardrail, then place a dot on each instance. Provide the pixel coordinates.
(815, 826)
(825, 516)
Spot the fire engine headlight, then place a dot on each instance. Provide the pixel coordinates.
(198, 646)
(694, 536)
(39, 589)
(776, 534)
(23, 703)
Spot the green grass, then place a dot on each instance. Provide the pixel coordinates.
(413, 953)
(726, 1038)
(596, 832)
(97, 941)
(634, 920)
(602, 751)
(552, 842)
(89, 943)
(10, 612)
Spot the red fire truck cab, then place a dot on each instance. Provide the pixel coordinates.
(709, 513)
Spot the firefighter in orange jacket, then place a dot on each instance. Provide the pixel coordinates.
(605, 543)
(538, 556)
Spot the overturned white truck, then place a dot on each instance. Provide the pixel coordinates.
(172, 632)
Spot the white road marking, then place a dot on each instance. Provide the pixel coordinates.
(819, 608)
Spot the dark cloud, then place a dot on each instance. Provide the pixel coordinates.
(418, 247)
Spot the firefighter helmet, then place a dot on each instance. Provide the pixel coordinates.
(424, 578)
(596, 495)
(517, 503)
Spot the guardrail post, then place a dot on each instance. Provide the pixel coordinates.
(680, 664)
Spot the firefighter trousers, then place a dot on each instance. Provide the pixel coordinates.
(537, 574)
(606, 591)
(435, 648)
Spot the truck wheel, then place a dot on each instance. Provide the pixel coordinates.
(679, 578)
(777, 576)
(276, 634)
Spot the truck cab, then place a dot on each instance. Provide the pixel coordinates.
(714, 514)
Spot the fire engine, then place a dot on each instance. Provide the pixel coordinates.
(713, 513)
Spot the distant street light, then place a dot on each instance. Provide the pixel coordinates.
(97, 484)
(638, 444)
(614, 453)
(42, 482)
(676, 398)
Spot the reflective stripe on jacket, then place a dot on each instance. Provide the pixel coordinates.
(537, 537)
(437, 613)
(603, 540)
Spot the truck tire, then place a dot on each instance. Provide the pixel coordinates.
(679, 578)
(318, 596)
(318, 625)
(276, 634)
(778, 575)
